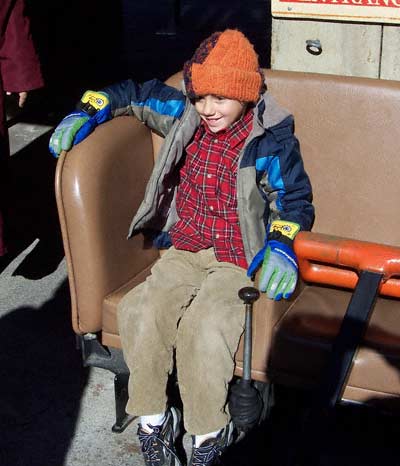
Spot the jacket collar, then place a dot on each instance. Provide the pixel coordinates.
(268, 112)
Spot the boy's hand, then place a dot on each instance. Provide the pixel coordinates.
(279, 271)
(22, 96)
(93, 109)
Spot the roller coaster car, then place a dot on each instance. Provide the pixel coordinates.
(349, 132)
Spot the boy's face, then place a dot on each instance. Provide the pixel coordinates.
(218, 112)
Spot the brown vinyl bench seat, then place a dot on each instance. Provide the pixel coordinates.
(349, 131)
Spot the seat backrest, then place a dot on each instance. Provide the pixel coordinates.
(348, 130)
(348, 133)
(99, 184)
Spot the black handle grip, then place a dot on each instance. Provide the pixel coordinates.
(249, 294)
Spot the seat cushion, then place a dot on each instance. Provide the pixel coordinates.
(303, 338)
(110, 333)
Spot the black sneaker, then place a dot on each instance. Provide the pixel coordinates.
(210, 451)
(158, 446)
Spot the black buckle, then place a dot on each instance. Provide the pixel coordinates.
(87, 108)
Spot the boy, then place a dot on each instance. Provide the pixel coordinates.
(230, 166)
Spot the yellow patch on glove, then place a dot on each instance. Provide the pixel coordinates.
(288, 229)
(97, 100)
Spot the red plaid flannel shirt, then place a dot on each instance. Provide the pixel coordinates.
(206, 199)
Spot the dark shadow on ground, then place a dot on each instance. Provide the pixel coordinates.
(30, 211)
(42, 380)
(353, 436)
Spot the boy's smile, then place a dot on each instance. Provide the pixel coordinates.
(219, 112)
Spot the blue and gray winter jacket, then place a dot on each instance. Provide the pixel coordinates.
(271, 181)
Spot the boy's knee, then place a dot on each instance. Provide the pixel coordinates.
(124, 309)
(132, 309)
(202, 331)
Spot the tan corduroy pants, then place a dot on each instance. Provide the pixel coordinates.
(189, 302)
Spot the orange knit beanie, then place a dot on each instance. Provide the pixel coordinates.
(225, 64)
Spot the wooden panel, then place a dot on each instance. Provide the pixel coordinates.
(347, 49)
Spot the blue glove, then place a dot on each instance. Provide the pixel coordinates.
(93, 109)
(279, 271)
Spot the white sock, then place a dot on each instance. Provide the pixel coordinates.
(153, 420)
(199, 439)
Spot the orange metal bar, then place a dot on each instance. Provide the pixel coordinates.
(337, 261)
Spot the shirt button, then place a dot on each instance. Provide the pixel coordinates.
(211, 207)
(209, 176)
(217, 236)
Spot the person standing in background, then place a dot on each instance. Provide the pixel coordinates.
(20, 72)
